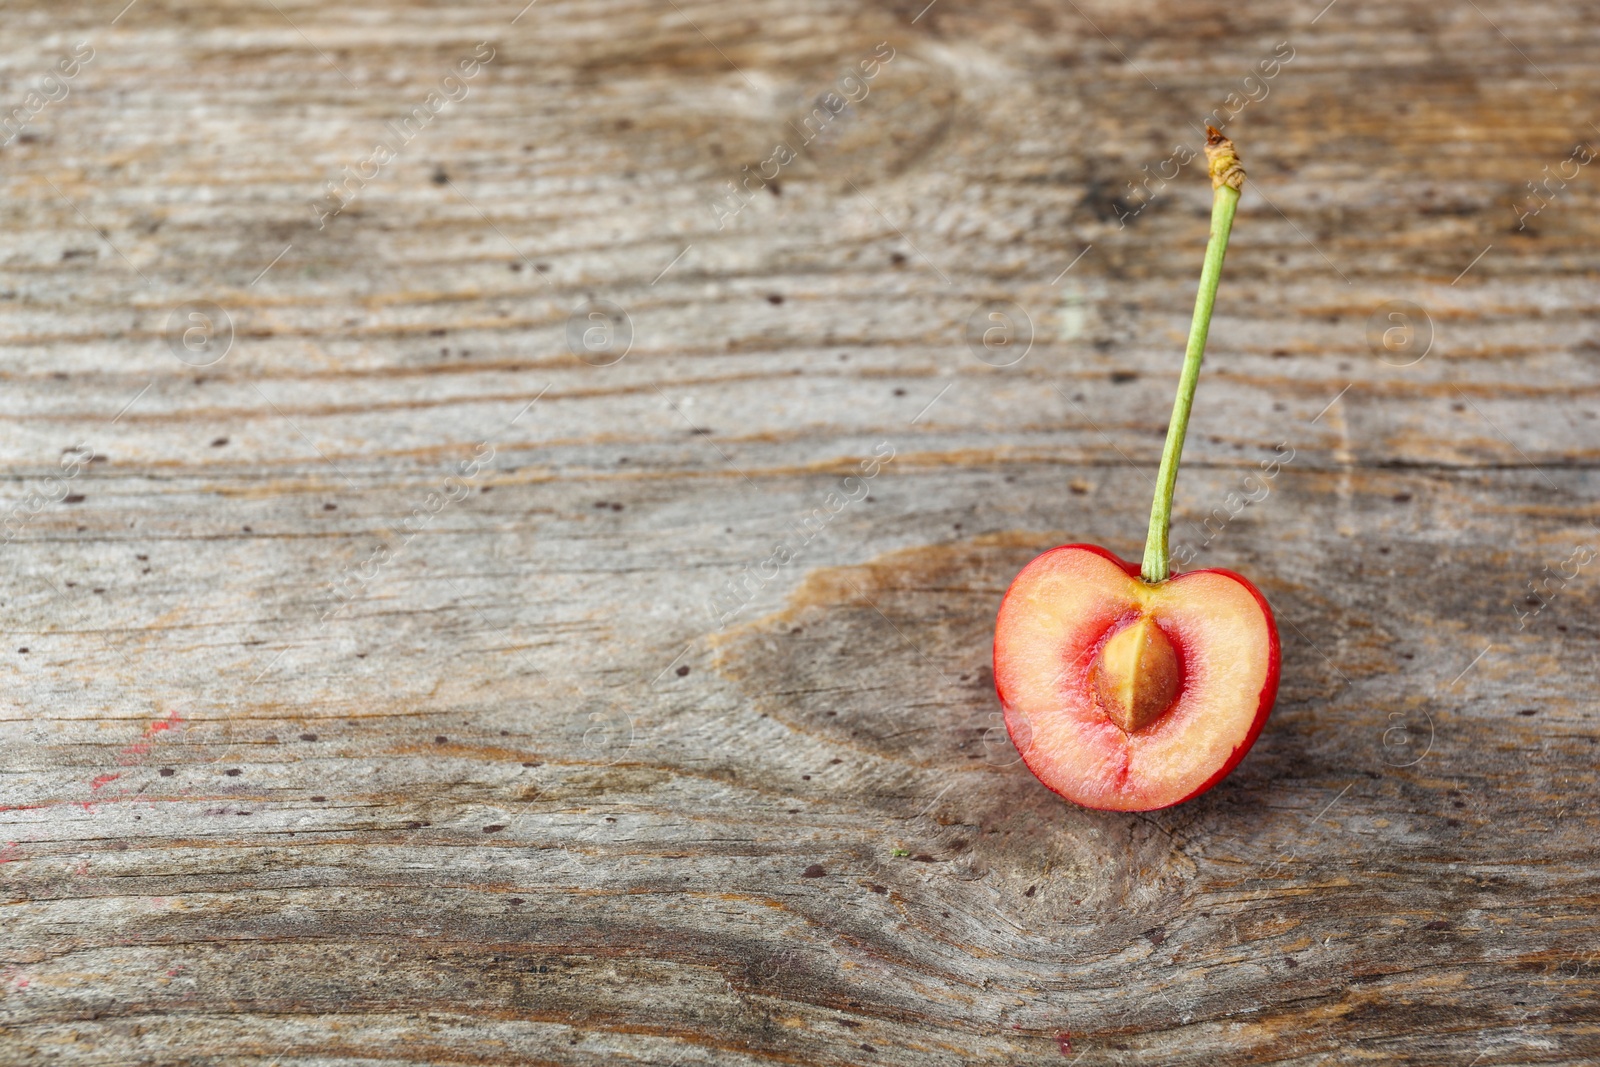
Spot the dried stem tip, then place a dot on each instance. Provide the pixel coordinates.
(1226, 169)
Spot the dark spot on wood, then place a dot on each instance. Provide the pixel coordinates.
(1028, 892)
(683, 671)
(330, 507)
(167, 772)
(775, 298)
(923, 857)
(897, 259)
(1402, 498)
(616, 507)
(219, 442)
(1524, 711)
(880, 889)
(494, 828)
(233, 772)
(440, 739)
(319, 800)
(813, 871)
(23, 650)
(535, 763)
(1437, 924)
(899, 392)
(72, 498)
(1155, 935)
(439, 176)
(308, 737)
(1123, 377)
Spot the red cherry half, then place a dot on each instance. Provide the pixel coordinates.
(1123, 695)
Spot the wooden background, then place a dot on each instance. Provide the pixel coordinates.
(526, 797)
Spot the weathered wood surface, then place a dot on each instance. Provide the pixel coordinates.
(523, 798)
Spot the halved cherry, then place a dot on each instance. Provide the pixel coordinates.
(1125, 687)
(1126, 695)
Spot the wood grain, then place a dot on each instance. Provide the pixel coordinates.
(376, 694)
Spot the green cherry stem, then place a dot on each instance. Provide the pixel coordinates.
(1227, 176)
